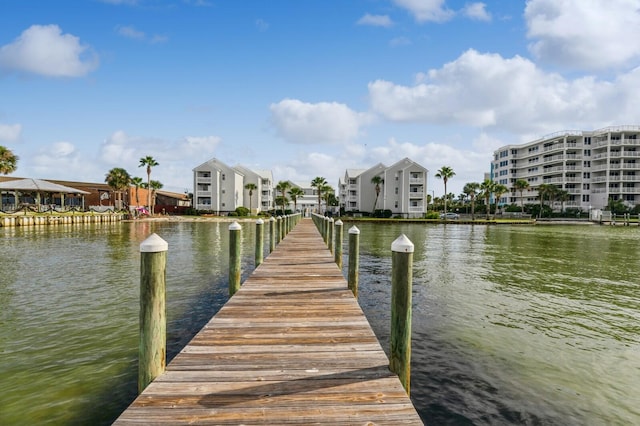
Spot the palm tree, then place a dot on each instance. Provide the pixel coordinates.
(282, 186)
(521, 185)
(445, 173)
(486, 188)
(498, 190)
(318, 182)
(545, 189)
(8, 161)
(137, 182)
(149, 162)
(562, 196)
(328, 196)
(119, 180)
(155, 186)
(471, 189)
(250, 187)
(377, 181)
(295, 193)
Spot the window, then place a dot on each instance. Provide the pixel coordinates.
(223, 177)
(396, 189)
(396, 204)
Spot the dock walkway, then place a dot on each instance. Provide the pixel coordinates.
(292, 346)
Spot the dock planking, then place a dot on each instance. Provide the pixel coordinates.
(292, 346)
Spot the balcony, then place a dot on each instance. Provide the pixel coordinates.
(416, 194)
(416, 181)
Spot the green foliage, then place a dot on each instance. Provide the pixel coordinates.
(242, 211)
(432, 215)
(382, 213)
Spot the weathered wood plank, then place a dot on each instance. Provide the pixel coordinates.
(292, 346)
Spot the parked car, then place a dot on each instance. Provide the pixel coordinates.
(449, 215)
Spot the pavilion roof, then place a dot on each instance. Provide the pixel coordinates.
(38, 185)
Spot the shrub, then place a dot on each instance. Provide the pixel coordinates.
(241, 211)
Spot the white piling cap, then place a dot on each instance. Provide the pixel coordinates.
(273, 219)
(153, 244)
(402, 244)
(259, 222)
(330, 219)
(235, 226)
(354, 230)
(338, 222)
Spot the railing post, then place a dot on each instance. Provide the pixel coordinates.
(338, 244)
(235, 240)
(330, 235)
(354, 259)
(259, 242)
(401, 281)
(153, 316)
(272, 234)
(326, 230)
(278, 229)
(283, 227)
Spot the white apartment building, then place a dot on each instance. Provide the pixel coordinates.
(592, 166)
(402, 191)
(221, 188)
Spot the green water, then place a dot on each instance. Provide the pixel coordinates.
(512, 325)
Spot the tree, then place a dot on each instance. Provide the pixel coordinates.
(250, 187)
(8, 161)
(282, 186)
(547, 190)
(376, 181)
(318, 182)
(521, 185)
(155, 186)
(562, 196)
(149, 162)
(119, 180)
(498, 190)
(471, 189)
(445, 173)
(137, 182)
(328, 196)
(486, 188)
(295, 193)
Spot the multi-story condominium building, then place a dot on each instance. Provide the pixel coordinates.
(402, 190)
(221, 188)
(306, 203)
(591, 166)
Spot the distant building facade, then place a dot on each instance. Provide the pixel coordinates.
(221, 188)
(591, 166)
(402, 191)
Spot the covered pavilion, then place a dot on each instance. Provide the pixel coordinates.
(39, 188)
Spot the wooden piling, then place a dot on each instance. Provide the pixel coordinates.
(272, 234)
(259, 242)
(153, 317)
(278, 229)
(330, 235)
(354, 260)
(401, 281)
(235, 257)
(338, 243)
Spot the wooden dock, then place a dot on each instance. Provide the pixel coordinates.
(292, 346)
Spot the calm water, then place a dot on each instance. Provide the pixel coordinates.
(512, 325)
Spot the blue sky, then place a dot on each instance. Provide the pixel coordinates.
(305, 88)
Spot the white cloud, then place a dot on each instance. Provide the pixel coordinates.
(376, 20)
(487, 90)
(427, 10)
(262, 25)
(131, 32)
(44, 50)
(399, 41)
(304, 123)
(10, 132)
(476, 11)
(581, 34)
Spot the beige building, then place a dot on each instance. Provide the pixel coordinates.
(403, 190)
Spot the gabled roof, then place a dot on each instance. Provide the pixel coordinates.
(354, 173)
(40, 186)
